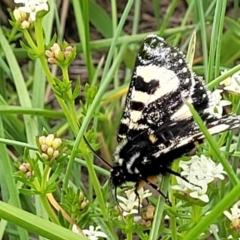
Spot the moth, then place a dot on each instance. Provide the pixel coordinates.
(156, 125)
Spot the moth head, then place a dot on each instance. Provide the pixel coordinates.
(117, 176)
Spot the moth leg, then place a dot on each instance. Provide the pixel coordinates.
(137, 194)
(154, 187)
(160, 192)
(179, 175)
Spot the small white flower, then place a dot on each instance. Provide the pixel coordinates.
(235, 212)
(234, 216)
(232, 84)
(130, 204)
(197, 191)
(217, 103)
(142, 194)
(32, 7)
(94, 234)
(200, 192)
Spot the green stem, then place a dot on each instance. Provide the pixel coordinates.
(70, 100)
(39, 35)
(39, 50)
(67, 113)
(30, 41)
(173, 201)
(48, 209)
(196, 213)
(129, 222)
(37, 184)
(43, 197)
(154, 232)
(95, 183)
(45, 178)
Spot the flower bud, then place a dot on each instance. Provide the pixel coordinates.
(55, 154)
(29, 174)
(19, 15)
(42, 139)
(45, 156)
(22, 18)
(49, 54)
(57, 143)
(84, 204)
(25, 24)
(44, 147)
(49, 140)
(23, 168)
(50, 151)
(81, 196)
(52, 60)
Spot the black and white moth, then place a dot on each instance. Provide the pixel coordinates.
(157, 126)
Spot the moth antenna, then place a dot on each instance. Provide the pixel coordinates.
(95, 153)
(116, 200)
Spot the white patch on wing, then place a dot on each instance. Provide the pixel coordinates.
(123, 136)
(182, 113)
(125, 121)
(153, 72)
(168, 83)
(218, 128)
(139, 96)
(135, 116)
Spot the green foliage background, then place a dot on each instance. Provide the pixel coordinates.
(24, 111)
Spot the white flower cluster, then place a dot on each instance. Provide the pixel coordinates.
(132, 202)
(199, 171)
(32, 7)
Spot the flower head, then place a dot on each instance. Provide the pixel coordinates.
(199, 171)
(234, 216)
(22, 19)
(49, 146)
(129, 205)
(132, 202)
(61, 54)
(26, 169)
(32, 7)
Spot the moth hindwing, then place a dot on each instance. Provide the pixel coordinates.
(156, 126)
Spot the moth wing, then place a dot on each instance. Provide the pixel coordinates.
(218, 126)
(161, 79)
